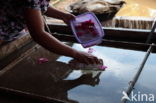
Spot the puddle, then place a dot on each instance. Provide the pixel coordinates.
(56, 79)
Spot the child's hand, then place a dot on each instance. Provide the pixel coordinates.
(67, 18)
(87, 58)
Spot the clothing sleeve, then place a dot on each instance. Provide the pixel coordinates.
(38, 4)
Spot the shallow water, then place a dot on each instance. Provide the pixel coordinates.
(56, 79)
(145, 8)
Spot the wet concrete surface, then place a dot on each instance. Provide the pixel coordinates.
(58, 80)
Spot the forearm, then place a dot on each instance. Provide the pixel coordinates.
(52, 44)
(35, 25)
(52, 12)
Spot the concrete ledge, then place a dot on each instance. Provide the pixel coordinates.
(10, 47)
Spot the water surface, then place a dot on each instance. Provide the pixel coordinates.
(56, 79)
(146, 83)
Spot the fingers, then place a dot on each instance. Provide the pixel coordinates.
(87, 61)
(91, 60)
(72, 17)
(88, 58)
(101, 61)
(94, 60)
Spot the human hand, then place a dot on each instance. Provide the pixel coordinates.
(67, 17)
(86, 58)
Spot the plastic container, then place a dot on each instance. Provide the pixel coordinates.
(87, 29)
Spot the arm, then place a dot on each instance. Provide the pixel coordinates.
(35, 26)
(54, 13)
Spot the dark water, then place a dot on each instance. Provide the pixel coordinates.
(56, 79)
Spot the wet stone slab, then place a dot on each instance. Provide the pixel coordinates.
(56, 79)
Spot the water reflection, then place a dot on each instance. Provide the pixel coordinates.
(46, 79)
(122, 65)
(146, 83)
(58, 80)
(63, 86)
(147, 79)
(120, 62)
